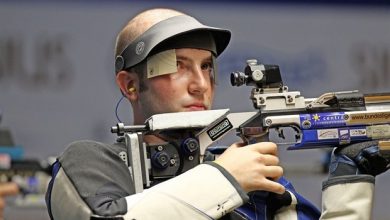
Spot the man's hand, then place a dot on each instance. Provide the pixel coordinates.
(254, 166)
(360, 158)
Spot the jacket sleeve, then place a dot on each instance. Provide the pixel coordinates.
(343, 198)
(92, 181)
(201, 193)
(348, 197)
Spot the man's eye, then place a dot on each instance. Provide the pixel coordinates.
(207, 66)
(180, 65)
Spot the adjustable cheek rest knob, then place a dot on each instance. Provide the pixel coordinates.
(190, 146)
(160, 160)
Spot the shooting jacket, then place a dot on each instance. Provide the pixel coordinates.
(91, 181)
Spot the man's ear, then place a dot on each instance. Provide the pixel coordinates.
(128, 83)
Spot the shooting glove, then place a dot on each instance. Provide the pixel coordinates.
(360, 158)
(348, 193)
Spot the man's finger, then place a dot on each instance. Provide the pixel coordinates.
(269, 160)
(237, 144)
(265, 148)
(273, 172)
(272, 186)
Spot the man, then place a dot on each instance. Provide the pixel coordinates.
(165, 63)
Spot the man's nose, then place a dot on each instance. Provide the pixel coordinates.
(200, 82)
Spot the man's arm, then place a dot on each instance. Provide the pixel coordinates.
(92, 180)
(348, 193)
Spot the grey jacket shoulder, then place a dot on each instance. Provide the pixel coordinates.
(99, 175)
(88, 149)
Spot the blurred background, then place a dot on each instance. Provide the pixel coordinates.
(57, 74)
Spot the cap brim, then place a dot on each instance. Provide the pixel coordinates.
(140, 48)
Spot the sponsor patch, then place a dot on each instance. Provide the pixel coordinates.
(371, 117)
(378, 131)
(322, 120)
(325, 134)
(358, 132)
(344, 136)
(219, 129)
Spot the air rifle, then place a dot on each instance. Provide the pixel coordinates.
(333, 119)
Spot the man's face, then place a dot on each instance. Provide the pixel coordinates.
(191, 88)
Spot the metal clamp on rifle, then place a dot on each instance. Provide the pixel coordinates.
(151, 163)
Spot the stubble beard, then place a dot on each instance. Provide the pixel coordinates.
(151, 106)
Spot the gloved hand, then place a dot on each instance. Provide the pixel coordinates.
(359, 158)
(262, 203)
